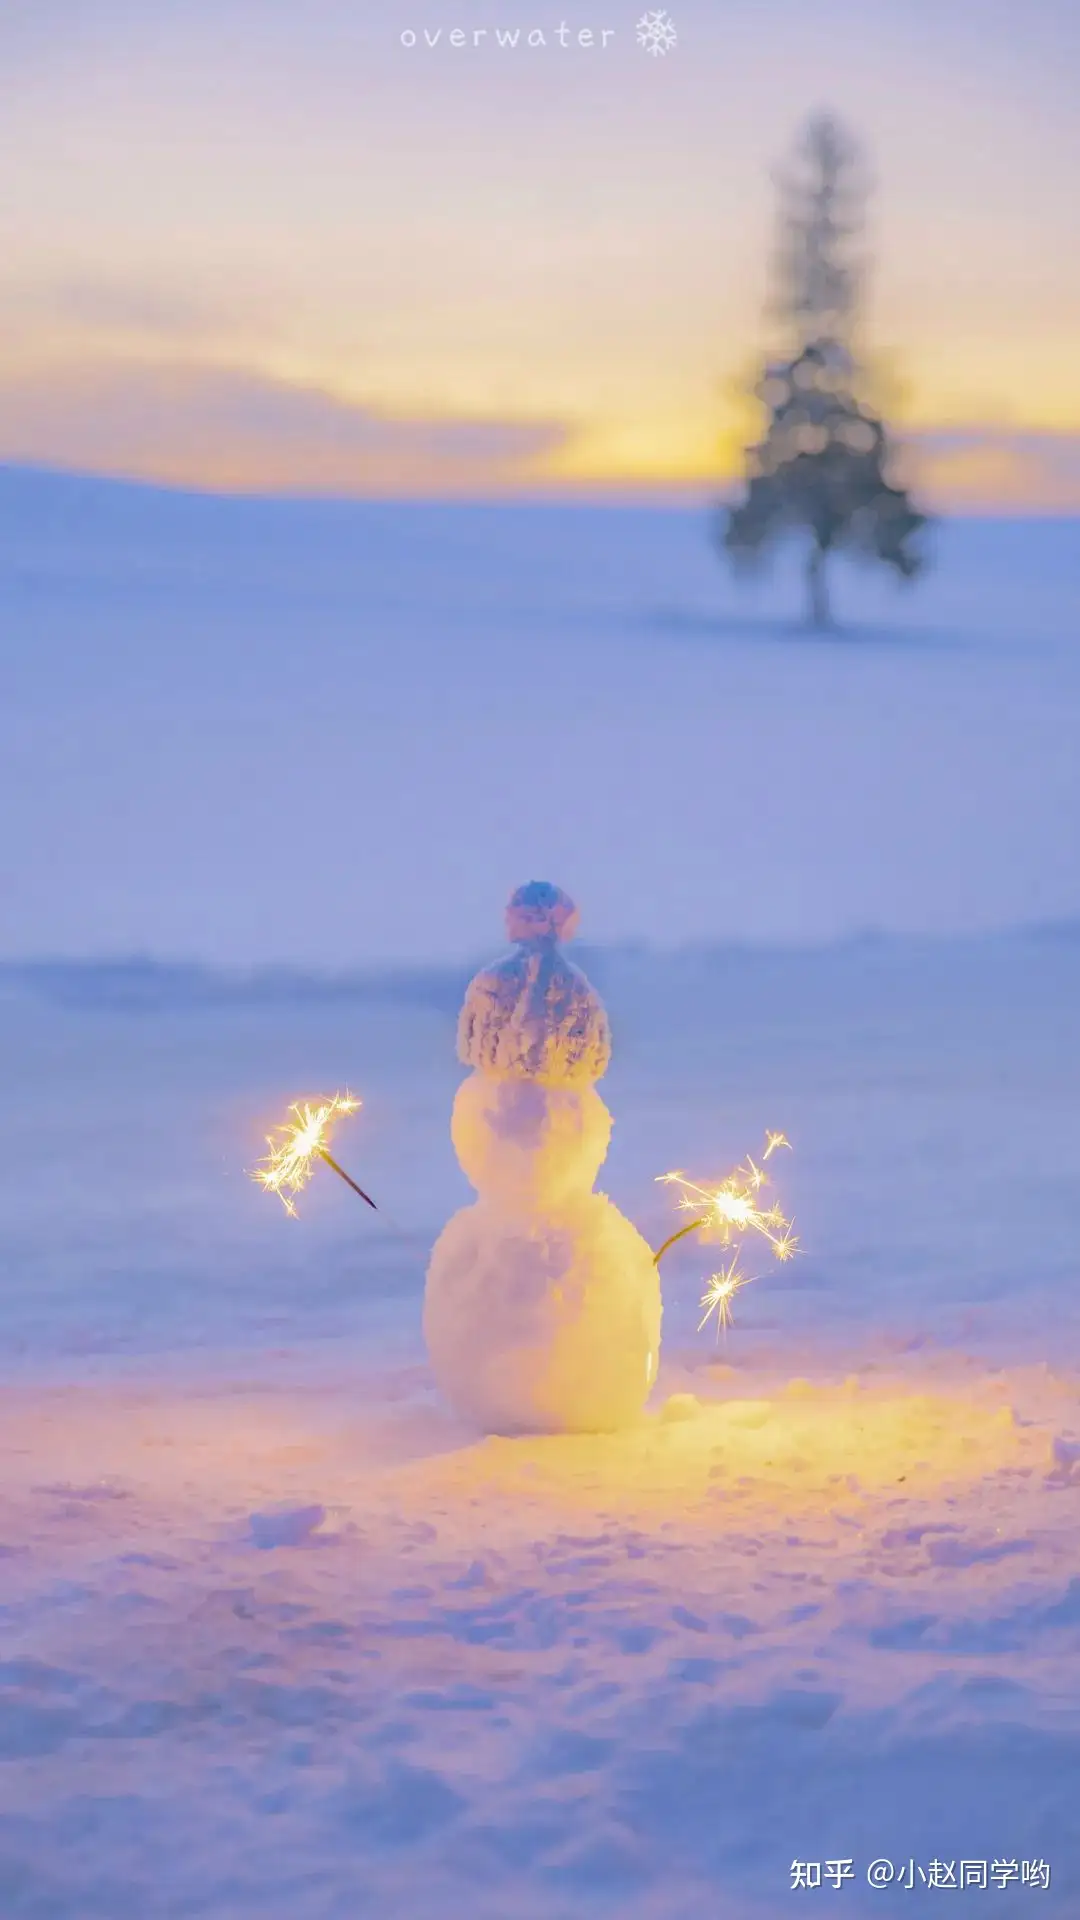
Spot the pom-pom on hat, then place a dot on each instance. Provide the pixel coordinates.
(539, 911)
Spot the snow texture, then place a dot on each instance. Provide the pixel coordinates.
(542, 1309)
(527, 1144)
(544, 1323)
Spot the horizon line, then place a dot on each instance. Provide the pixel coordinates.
(1066, 930)
(660, 496)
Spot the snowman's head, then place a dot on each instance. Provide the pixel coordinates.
(525, 1145)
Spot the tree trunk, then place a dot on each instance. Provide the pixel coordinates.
(817, 612)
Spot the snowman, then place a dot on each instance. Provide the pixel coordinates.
(542, 1306)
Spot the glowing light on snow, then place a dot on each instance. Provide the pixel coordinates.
(295, 1147)
(727, 1212)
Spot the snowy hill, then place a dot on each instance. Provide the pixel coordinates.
(332, 734)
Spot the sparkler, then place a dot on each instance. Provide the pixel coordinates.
(295, 1147)
(727, 1212)
(719, 1294)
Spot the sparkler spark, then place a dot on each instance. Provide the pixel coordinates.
(719, 1294)
(295, 1147)
(726, 1213)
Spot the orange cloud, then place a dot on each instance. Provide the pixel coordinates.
(1002, 469)
(233, 430)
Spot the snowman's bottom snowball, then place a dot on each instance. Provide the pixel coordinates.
(550, 1326)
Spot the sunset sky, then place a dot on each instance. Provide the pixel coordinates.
(263, 244)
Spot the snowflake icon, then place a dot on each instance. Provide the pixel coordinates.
(656, 31)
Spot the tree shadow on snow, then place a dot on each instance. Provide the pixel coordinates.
(689, 623)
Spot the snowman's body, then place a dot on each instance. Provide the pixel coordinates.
(542, 1309)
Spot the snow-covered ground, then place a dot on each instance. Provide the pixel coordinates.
(282, 1639)
(264, 730)
(834, 1614)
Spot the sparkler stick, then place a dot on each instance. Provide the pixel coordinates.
(680, 1235)
(342, 1175)
(295, 1147)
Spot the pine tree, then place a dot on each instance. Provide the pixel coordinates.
(821, 468)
